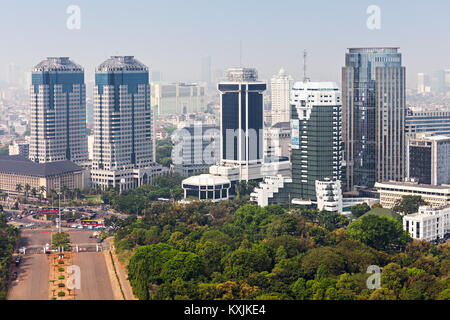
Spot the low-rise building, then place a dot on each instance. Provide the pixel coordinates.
(392, 191)
(15, 170)
(206, 187)
(428, 224)
(19, 148)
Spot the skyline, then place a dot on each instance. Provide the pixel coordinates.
(171, 37)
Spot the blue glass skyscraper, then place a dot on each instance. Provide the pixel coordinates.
(123, 134)
(373, 91)
(58, 112)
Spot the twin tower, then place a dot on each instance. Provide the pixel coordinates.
(123, 152)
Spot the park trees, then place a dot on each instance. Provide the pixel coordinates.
(359, 209)
(380, 233)
(409, 204)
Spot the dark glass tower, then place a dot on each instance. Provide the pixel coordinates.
(242, 117)
(373, 92)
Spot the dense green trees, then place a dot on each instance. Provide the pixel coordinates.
(8, 238)
(136, 201)
(409, 204)
(359, 209)
(380, 233)
(233, 250)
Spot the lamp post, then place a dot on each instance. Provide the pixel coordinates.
(59, 211)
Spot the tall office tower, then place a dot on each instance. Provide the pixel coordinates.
(241, 99)
(373, 113)
(438, 85)
(13, 76)
(123, 135)
(423, 83)
(427, 158)
(280, 86)
(316, 149)
(58, 112)
(316, 138)
(447, 79)
(206, 70)
(391, 112)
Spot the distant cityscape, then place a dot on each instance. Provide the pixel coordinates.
(302, 142)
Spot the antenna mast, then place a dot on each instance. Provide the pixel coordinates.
(305, 78)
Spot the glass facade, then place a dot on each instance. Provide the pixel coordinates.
(242, 121)
(364, 73)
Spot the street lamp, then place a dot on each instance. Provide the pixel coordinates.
(59, 211)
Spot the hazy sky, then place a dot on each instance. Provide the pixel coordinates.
(172, 35)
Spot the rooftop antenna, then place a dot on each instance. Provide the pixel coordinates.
(305, 78)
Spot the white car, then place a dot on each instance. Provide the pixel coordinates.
(74, 226)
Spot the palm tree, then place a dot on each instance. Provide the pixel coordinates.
(52, 193)
(19, 187)
(64, 192)
(34, 192)
(77, 193)
(41, 192)
(27, 189)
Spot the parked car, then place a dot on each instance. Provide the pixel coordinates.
(14, 276)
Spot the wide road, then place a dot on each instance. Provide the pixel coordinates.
(95, 279)
(33, 271)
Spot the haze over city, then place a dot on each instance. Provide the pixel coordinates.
(238, 152)
(173, 36)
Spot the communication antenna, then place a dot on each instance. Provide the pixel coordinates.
(305, 78)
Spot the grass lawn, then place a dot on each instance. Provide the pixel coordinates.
(93, 198)
(382, 212)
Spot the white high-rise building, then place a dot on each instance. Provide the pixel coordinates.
(281, 86)
(123, 135)
(58, 112)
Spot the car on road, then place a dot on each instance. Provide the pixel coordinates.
(14, 276)
(18, 258)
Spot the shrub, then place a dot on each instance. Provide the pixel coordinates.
(61, 269)
(61, 294)
(61, 262)
(61, 285)
(61, 277)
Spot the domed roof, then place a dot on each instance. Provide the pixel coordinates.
(282, 72)
(205, 180)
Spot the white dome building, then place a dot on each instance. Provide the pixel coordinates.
(206, 187)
